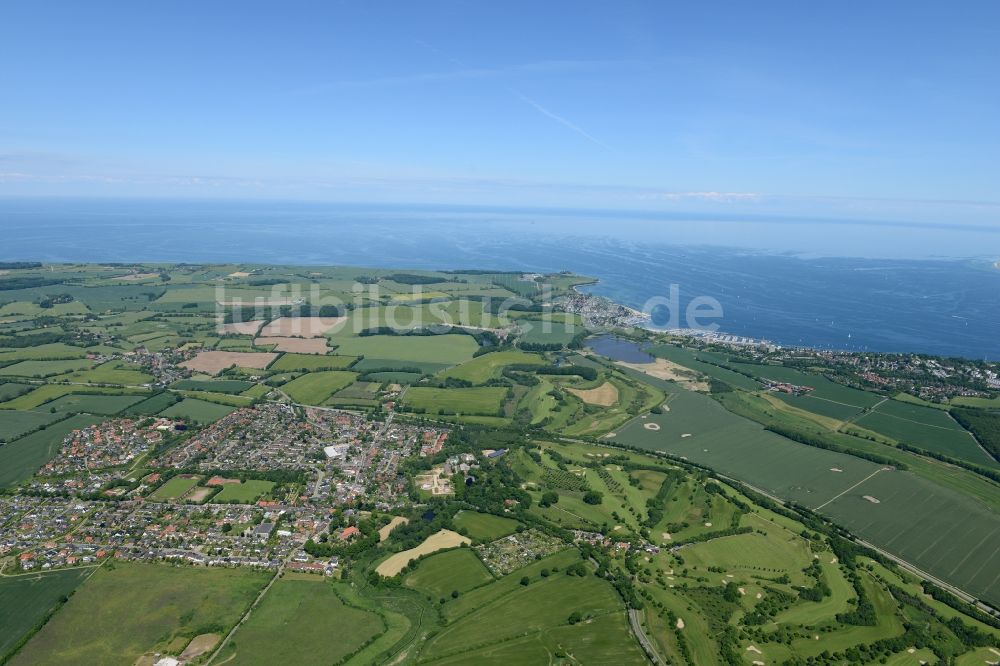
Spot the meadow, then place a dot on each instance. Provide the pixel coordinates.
(479, 400)
(104, 405)
(129, 609)
(26, 600)
(456, 570)
(316, 387)
(23, 457)
(198, 411)
(445, 350)
(311, 362)
(302, 620)
(483, 526)
(488, 366)
(39, 369)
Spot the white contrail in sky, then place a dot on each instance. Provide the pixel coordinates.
(559, 119)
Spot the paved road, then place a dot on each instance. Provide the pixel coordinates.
(635, 619)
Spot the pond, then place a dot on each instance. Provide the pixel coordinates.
(619, 349)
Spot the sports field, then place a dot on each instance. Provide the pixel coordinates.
(134, 609)
(479, 400)
(198, 411)
(302, 621)
(314, 388)
(245, 492)
(26, 600)
(175, 488)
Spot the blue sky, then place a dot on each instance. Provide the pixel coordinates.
(887, 110)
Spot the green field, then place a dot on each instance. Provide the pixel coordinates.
(11, 390)
(290, 362)
(446, 350)
(925, 428)
(44, 368)
(112, 372)
(214, 386)
(484, 400)
(91, 404)
(15, 424)
(302, 621)
(198, 411)
(23, 457)
(457, 570)
(26, 600)
(487, 366)
(132, 609)
(744, 450)
(696, 361)
(174, 488)
(547, 332)
(245, 492)
(48, 392)
(526, 624)
(153, 405)
(316, 387)
(53, 351)
(483, 526)
(822, 387)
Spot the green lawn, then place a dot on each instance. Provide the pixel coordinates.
(483, 526)
(314, 388)
(456, 570)
(244, 493)
(482, 400)
(174, 488)
(132, 609)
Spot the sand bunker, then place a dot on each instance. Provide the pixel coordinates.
(873, 500)
(213, 362)
(680, 623)
(241, 327)
(303, 327)
(604, 395)
(295, 345)
(135, 277)
(753, 648)
(836, 469)
(651, 426)
(433, 543)
(239, 274)
(199, 645)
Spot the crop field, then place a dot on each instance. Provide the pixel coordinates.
(303, 327)
(547, 332)
(316, 387)
(38, 369)
(112, 372)
(198, 411)
(48, 352)
(22, 457)
(529, 623)
(214, 362)
(48, 392)
(302, 620)
(153, 405)
(441, 540)
(246, 492)
(446, 350)
(26, 600)
(821, 406)
(458, 570)
(11, 390)
(483, 526)
(925, 428)
(417, 368)
(133, 609)
(310, 362)
(834, 484)
(295, 345)
(487, 366)
(92, 404)
(175, 487)
(479, 400)
(215, 386)
(15, 424)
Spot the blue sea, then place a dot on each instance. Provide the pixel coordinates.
(816, 283)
